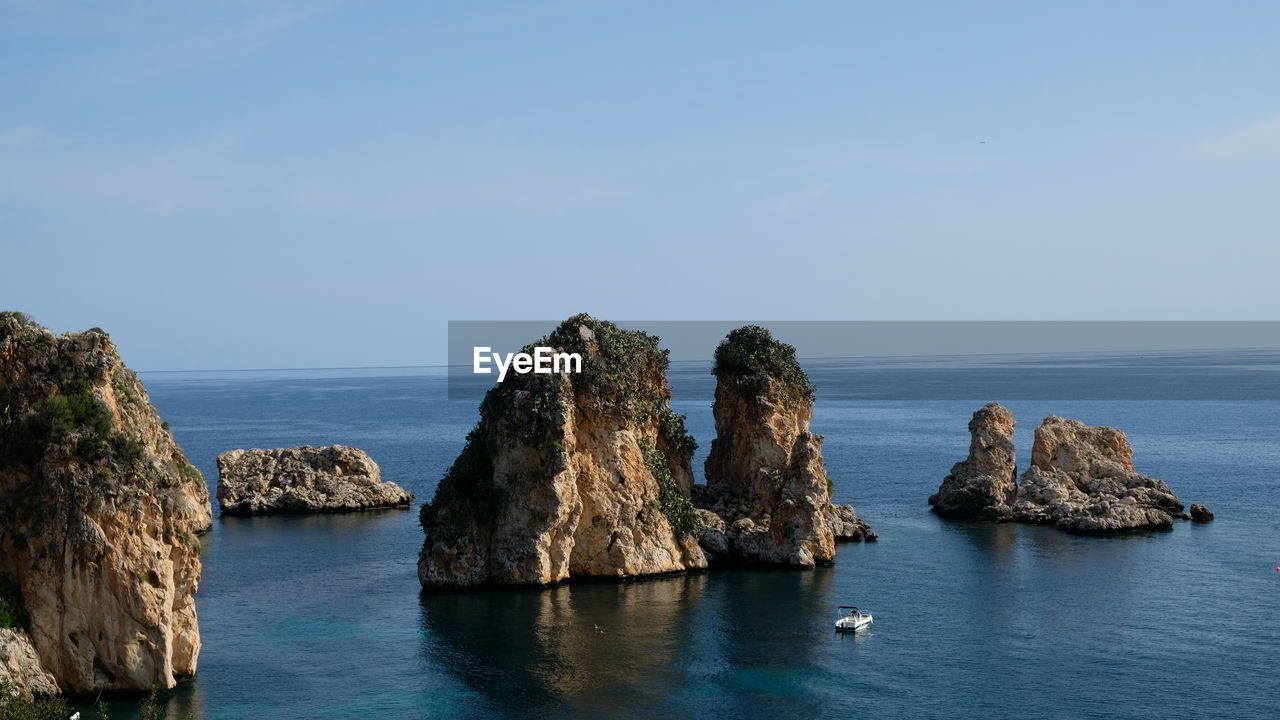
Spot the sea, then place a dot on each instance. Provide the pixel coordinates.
(322, 616)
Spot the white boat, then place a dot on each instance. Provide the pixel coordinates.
(853, 619)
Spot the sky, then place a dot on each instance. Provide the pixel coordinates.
(228, 185)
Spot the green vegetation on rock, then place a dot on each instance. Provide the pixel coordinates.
(623, 373)
(679, 509)
(752, 356)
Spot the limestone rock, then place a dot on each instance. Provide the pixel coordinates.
(847, 526)
(569, 475)
(985, 484)
(1200, 513)
(765, 474)
(303, 479)
(99, 512)
(1082, 479)
(712, 539)
(20, 665)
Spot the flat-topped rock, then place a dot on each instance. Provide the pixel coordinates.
(1082, 479)
(305, 479)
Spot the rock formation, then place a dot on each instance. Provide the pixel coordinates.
(303, 479)
(1200, 513)
(569, 474)
(99, 512)
(767, 486)
(1082, 479)
(985, 484)
(847, 526)
(20, 665)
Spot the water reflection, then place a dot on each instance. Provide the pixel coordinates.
(596, 644)
(746, 636)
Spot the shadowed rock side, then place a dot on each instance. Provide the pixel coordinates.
(569, 475)
(99, 512)
(303, 479)
(985, 484)
(1082, 479)
(768, 498)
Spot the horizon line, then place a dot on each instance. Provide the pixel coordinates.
(1139, 353)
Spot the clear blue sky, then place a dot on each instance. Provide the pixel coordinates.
(275, 184)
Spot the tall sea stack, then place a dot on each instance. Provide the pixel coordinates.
(569, 474)
(767, 485)
(99, 512)
(984, 484)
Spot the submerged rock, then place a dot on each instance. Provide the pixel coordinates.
(303, 479)
(766, 478)
(99, 512)
(569, 475)
(985, 484)
(1082, 479)
(1200, 513)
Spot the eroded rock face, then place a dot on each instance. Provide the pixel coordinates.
(1082, 479)
(20, 665)
(99, 512)
(765, 474)
(303, 479)
(569, 475)
(985, 484)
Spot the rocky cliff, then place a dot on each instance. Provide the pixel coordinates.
(569, 475)
(99, 512)
(768, 496)
(1082, 479)
(985, 484)
(303, 479)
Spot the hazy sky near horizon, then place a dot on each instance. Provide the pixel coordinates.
(322, 184)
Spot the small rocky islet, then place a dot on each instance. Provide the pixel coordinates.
(1082, 479)
(304, 479)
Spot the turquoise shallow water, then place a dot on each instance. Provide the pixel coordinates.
(322, 617)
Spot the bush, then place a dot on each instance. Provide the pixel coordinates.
(752, 356)
(19, 317)
(679, 509)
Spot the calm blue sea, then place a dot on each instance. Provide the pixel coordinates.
(323, 617)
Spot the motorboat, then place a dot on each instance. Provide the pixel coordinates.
(852, 619)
